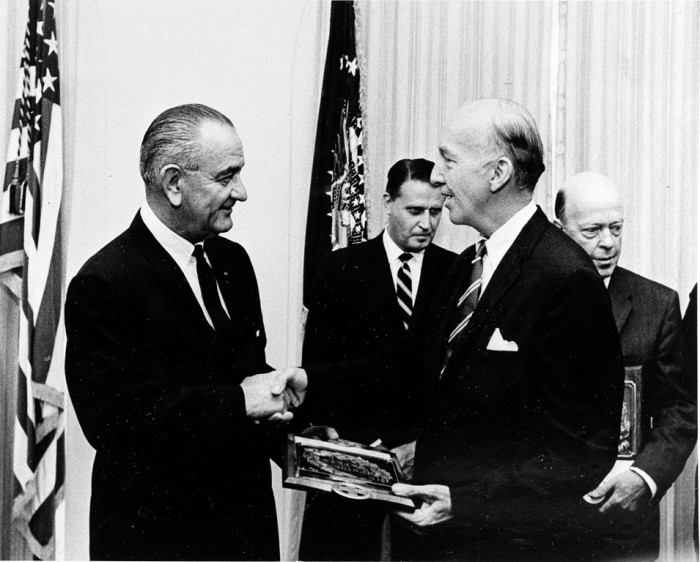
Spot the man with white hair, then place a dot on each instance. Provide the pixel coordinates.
(589, 208)
(517, 363)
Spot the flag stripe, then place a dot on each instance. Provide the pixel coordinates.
(48, 318)
(22, 415)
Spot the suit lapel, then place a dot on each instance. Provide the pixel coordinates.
(172, 280)
(620, 292)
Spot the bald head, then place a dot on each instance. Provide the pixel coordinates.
(491, 157)
(589, 208)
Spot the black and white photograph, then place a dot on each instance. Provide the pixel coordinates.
(349, 280)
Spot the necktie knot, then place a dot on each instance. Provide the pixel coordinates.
(405, 257)
(198, 252)
(480, 249)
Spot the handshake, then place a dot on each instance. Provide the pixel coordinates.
(270, 395)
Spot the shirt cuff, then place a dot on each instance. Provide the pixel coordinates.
(648, 479)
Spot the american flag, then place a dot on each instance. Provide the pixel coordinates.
(30, 252)
(337, 214)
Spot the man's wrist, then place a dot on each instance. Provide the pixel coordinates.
(653, 488)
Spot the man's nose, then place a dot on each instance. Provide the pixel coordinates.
(424, 220)
(238, 191)
(436, 176)
(606, 238)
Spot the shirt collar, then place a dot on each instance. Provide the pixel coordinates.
(393, 251)
(179, 248)
(501, 240)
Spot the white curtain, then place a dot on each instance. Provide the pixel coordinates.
(423, 60)
(628, 104)
(613, 87)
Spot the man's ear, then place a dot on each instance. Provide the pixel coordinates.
(501, 174)
(171, 176)
(387, 200)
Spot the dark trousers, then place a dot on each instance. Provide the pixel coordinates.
(628, 538)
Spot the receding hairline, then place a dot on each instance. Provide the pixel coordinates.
(492, 127)
(175, 136)
(479, 116)
(584, 184)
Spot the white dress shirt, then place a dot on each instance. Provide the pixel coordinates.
(415, 263)
(501, 241)
(181, 251)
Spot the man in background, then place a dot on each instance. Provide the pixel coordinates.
(589, 208)
(164, 330)
(365, 297)
(520, 365)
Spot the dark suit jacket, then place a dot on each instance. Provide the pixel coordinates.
(180, 471)
(648, 318)
(354, 312)
(519, 437)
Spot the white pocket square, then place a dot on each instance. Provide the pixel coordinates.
(497, 343)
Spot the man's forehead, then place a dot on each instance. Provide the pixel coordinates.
(220, 141)
(450, 142)
(592, 209)
(594, 198)
(213, 133)
(414, 193)
(463, 133)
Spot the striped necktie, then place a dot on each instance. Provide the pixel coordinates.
(210, 294)
(404, 290)
(467, 302)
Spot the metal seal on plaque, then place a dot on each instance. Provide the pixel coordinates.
(352, 491)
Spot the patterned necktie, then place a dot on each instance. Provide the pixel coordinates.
(467, 302)
(404, 289)
(210, 293)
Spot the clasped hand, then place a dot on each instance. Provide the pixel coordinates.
(271, 395)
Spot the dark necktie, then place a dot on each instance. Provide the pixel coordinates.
(404, 289)
(467, 302)
(210, 294)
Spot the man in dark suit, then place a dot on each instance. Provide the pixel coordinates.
(364, 298)
(589, 208)
(164, 330)
(522, 371)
